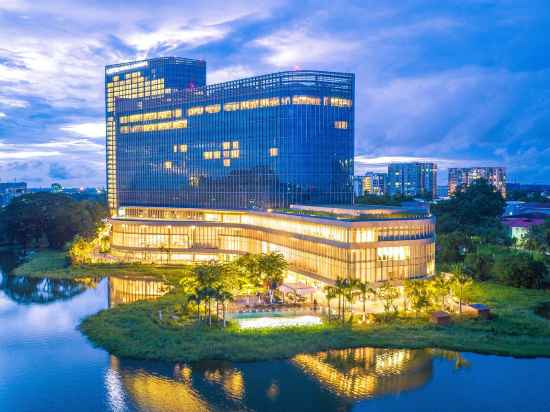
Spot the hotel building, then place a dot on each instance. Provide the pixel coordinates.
(199, 172)
(464, 176)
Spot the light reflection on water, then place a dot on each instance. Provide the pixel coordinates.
(47, 365)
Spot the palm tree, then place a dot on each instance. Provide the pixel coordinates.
(330, 293)
(364, 290)
(460, 280)
(340, 286)
(273, 265)
(223, 296)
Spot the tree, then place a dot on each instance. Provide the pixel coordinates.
(460, 282)
(479, 264)
(341, 285)
(272, 266)
(439, 288)
(330, 293)
(416, 292)
(364, 290)
(55, 218)
(388, 294)
(452, 247)
(520, 270)
(474, 210)
(538, 238)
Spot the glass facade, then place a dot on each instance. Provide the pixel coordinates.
(412, 179)
(145, 79)
(256, 143)
(464, 176)
(319, 248)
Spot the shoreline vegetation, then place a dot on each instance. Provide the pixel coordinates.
(56, 264)
(134, 331)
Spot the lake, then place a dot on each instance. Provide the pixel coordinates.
(47, 365)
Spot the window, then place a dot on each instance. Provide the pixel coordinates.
(235, 153)
(235, 144)
(183, 148)
(213, 108)
(168, 165)
(341, 124)
(231, 107)
(175, 148)
(207, 155)
(273, 151)
(227, 162)
(195, 111)
(226, 145)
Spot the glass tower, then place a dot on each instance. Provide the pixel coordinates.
(144, 79)
(256, 143)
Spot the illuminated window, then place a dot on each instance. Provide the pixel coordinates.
(167, 114)
(235, 153)
(227, 162)
(214, 108)
(235, 144)
(168, 165)
(175, 148)
(341, 124)
(183, 148)
(226, 153)
(207, 155)
(217, 154)
(393, 253)
(150, 116)
(195, 111)
(231, 107)
(274, 151)
(226, 145)
(179, 124)
(285, 100)
(316, 101)
(340, 102)
(177, 112)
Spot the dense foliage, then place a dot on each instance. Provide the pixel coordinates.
(50, 219)
(470, 233)
(538, 238)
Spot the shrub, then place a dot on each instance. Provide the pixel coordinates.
(519, 270)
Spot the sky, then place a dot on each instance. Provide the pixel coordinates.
(460, 83)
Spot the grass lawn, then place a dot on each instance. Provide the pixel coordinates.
(133, 331)
(55, 264)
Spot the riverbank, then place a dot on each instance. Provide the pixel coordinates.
(134, 331)
(55, 264)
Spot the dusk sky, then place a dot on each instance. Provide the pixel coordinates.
(461, 83)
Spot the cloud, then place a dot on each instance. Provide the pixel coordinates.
(58, 171)
(291, 48)
(168, 38)
(89, 129)
(229, 73)
(2, 114)
(15, 103)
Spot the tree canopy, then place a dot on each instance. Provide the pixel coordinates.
(475, 210)
(51, 218)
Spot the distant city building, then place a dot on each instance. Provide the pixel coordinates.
(10, 190)
(442, 191)
(374, 183)
(358, 186)
(56, 188)
(519, 225)
(412, 179)
(464, 176)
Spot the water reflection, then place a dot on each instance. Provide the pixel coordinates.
(129, 289)
(28, 290)
(333, 380)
